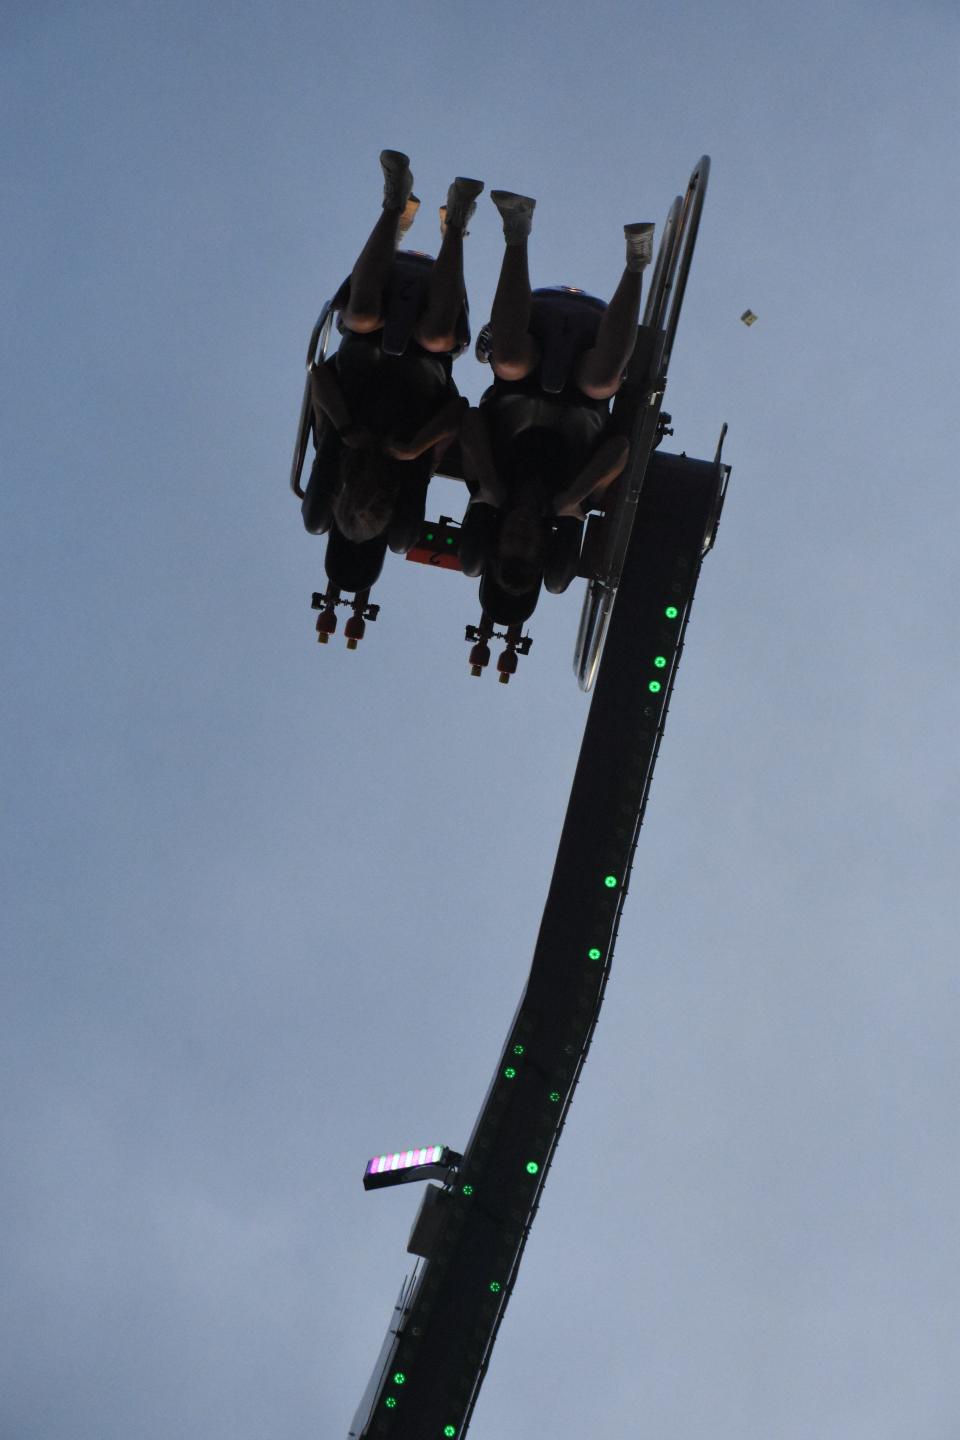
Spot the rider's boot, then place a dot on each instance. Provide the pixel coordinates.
(516, 212)
(397, 179)
(639, 238)
(461, 203)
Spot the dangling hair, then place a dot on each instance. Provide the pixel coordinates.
(536, 459)
(363, 505)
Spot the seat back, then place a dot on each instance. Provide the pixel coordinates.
(502, 607)
(352, 565)
(403, 300)
(564, 322)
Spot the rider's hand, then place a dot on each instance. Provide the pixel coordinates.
(398, 449)
(574, 509)
(357, 437)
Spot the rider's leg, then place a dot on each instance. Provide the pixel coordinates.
(436, 327)
(600, 370)
(364, 311)
(513, 352)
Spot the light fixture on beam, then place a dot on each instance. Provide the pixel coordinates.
(429, 1162)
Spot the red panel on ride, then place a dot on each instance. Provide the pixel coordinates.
(444, 560)
(437, 545)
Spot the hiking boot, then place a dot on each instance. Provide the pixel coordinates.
(516, 212)
(461, 203)
(397, 180)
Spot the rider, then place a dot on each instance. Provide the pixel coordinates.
(383, 411)
(539, 446)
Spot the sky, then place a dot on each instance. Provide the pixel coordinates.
(267, 909)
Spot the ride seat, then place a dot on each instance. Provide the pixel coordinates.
(353, 565)
(403, 299)
(564, 321)
(502, 607)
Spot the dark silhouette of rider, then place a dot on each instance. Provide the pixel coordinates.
(539, 449)
(382, 417)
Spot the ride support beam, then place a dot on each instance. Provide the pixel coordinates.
(438, 1347)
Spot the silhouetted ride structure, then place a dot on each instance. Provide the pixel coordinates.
(641, 557)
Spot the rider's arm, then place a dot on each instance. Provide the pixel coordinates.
(478, 462)
(603, 467)
(328, 399)
(439, 429)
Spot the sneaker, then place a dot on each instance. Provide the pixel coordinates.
(461, 203)
(639, 239)
(516, 212)
(407, 216)
(397, 179)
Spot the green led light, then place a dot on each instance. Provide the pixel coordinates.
(593, 953)
(554, 1096)
(391, 1402)
(671, 612)
(495, 1287)
(518, 1049)
(429, 534)
(611, 880)
(449, 539)
(532, 1167)
(654, 687)
(399, 1378)
(509, 1073)
(449, 1431)
(660, 661)
(468, 1189)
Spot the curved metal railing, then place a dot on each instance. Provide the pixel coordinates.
(662, 313)
(316, 353)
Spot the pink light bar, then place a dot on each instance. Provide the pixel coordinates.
(428, 1162)
(405, 1159)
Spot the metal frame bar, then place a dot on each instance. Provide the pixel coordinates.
(665, 300)
(316, 354)
(442, 1341)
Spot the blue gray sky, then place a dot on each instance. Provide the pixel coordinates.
(268, 908)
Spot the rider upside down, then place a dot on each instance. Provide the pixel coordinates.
(537, 452)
